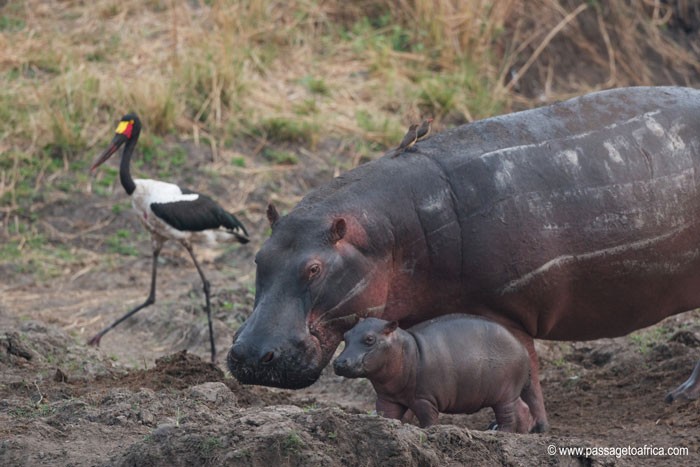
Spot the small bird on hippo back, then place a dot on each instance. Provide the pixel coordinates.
(414, 134)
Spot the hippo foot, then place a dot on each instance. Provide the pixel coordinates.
(540, 427)
(688, 391)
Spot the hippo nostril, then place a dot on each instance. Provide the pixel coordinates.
(237, 353)
(267, 358)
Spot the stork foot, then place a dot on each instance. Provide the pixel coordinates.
(95, 341)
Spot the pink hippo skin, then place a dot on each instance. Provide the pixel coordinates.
(452, 364)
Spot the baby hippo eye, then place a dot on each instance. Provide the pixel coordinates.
(314, 270)
(369, 340)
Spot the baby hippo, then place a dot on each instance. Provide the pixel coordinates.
(451, 364)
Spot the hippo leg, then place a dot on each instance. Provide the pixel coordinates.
(426, 412)
(390, 409)
(513, 417)
(689, 390)
(408, 417)
(524, 423)
(532, 393)
(506, 415)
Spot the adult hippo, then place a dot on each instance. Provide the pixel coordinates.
(574, 221)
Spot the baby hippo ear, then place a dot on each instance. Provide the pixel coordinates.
(390, 327)
(272, 214)
(338, 229)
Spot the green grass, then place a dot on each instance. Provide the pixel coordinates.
(285, 80)
(277, 156)
(120, 243)
(315, 85)
(292, 443)
(238, 161)
(209, 445)
(646, 339)
(10, 24)
(30, 412)
(286, 130)
(79, 72)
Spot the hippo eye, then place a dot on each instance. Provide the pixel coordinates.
(369, 340)
(314, 270)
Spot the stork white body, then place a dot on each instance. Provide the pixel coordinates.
(149, 192)
(154, 192)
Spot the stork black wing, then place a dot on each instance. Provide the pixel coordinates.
(200, 214)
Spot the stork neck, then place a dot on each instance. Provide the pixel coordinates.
(125, 166)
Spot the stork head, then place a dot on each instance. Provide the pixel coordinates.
(129, 128)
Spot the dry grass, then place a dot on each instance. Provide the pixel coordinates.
(220, 68)
(299, 72)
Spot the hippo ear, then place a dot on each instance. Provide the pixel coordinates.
(338, 229)
(272, 214)
(390, 327)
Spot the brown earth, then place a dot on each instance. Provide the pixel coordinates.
(147, 398)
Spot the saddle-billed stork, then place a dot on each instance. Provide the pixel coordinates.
(169, 213)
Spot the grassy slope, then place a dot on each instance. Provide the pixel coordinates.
(278, 79)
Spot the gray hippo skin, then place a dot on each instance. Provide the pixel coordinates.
(573, 221)
(452, 364)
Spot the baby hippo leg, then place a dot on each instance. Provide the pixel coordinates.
(513, 416)
(390, 409)
(426, 412)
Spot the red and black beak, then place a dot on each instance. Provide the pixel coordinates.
(116, 143)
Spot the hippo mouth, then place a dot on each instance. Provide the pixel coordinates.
(349, 370)
(284, 373)
(296, 368)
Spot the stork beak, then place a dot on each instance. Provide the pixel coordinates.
(117, 141)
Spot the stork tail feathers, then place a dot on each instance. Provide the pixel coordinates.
(233, 225)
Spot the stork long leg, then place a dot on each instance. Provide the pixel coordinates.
(157, 246)
(205, 284)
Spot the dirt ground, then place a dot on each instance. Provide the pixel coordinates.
(148, 396)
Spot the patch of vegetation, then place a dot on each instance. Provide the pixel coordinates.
(310, 407)
(315, 85)
(119, 243)
(646, 339)
(238, 161)
(292, 443)
(462, 91)
(32, 411)
(386, 131)
(120, 207)
(277, 156)
(209, 445)
(306, 107)
(286, 130)
(10, 24)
